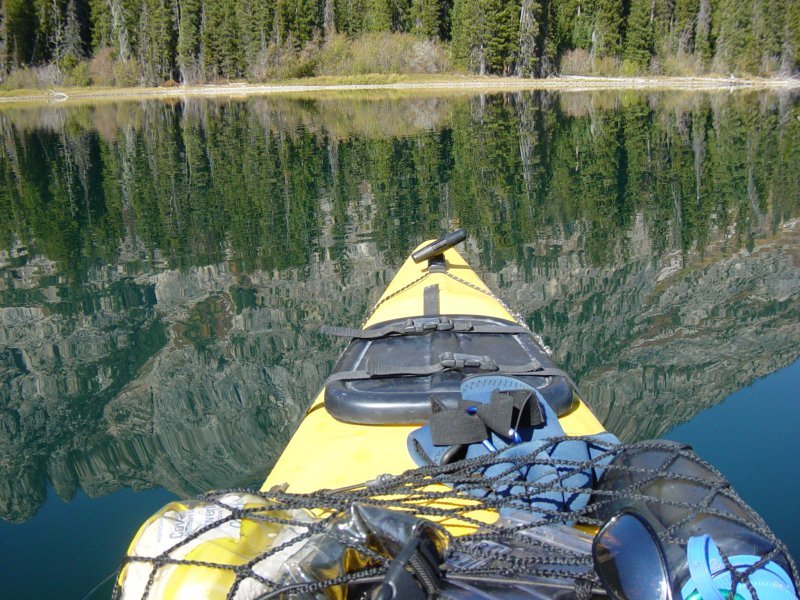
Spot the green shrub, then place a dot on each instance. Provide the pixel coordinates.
(78, 75)
(606, 66)
(681, 65)
(126, 73)
(285, 62)
(576, 62)
(382, 52)
(629, 68)
(31, 78)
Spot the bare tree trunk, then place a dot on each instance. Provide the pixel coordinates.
(3, 39)
(119, 29)
(528, 32)
(699, 150)
(527, 142)
(702, 36)
(329, 19)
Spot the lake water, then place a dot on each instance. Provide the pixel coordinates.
(165, 268)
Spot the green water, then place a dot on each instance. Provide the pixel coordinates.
(165, 268)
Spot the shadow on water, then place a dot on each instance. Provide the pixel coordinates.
(165, 267)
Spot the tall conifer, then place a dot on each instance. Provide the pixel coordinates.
(424, 17)
(188, 46)
(639, 38)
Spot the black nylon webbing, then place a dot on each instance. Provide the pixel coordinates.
(412, 327)
(430, 300)
(379, 369)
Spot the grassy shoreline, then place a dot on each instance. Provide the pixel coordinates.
(405, 83)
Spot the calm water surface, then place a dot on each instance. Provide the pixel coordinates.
(165, 268)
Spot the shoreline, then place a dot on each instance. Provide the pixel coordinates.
(567, 83)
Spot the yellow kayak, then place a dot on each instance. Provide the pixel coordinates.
(539, 501)
(327, 452)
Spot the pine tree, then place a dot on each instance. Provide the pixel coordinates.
(685, 20)
(469, 29)
(639, 39)
(574, 22)
(791, 40)
(735, 42)
(3, 40)
(70, 47)
(350, 16)
(307, 21)
(254, 19)
(112, 26)
(702, 33)
(157, 40)
(607, 31)
(551, 40)
(486, 35)
(19, 24)
(377, 15)
(100, 17)
(219, 38)
(188, 43)
(424, 16)
(502, 34)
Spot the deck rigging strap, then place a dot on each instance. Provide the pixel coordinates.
(422, 327)
(448, 361)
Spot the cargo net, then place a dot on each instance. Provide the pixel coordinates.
(476, 528)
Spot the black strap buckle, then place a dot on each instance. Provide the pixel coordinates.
(458, 361)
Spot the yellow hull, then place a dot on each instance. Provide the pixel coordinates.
(325, 453)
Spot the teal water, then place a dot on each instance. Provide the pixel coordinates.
(750, 437)
(165, 268)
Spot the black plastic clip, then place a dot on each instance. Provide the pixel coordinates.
(458, 361)
(414, 573)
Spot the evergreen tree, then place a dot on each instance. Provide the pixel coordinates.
(791, 40)
(502, 34)
(639, 39)
(735, 42)
(221, 56)
(112, 26)
(702, 35)
(574, 22)
(685, 20)
(157, 40)
(468, 32)
(608, 26)
(21, 25)
(424, 16)
(486, 35)
(100, 17)
(551, 40)
(307, 21)
(3, 40)
(350, 16)
(377, 15)
(254, 18)
(188, 43)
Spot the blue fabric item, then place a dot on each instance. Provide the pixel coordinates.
(711, 579)
(559, 459)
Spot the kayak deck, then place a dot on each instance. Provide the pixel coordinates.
(326, 453)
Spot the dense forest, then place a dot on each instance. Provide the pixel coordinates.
(132, 42)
